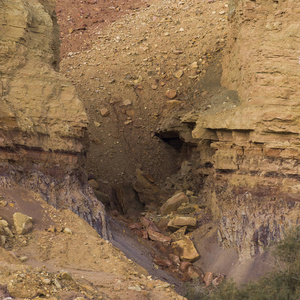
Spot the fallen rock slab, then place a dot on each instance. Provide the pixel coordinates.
(186, 249)
(23, 223)
(173, 203)
(156, 236)
(179, 222)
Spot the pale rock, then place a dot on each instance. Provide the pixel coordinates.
(2, 240)
(3, 203)
(23, 259)
(186, 249)
(97, 124)
(208, 278)
(173, 203)
(127, 102)
(22, 223)
(178, 74)
(68, 231)
(8, 232)
(46, 280)
(194, 65)
(57, 283)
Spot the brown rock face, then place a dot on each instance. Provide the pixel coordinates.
(254, 148)
(42, 121)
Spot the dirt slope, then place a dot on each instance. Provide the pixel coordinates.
(124, 60)
(48, 262)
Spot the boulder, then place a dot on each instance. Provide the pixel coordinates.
(179, 222)
(22, 223)
(173, 203)
(186, 249)
(156, 236)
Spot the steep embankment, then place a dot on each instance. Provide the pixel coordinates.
(42, 121)
(253, 149)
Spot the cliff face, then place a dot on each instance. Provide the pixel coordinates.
(253, 150)
(42, 121)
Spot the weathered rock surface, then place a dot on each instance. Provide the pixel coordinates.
(252, 151)
(42, 121)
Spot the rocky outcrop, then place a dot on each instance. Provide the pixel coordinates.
(250, 153)
(42, 121)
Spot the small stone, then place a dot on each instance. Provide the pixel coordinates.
(184, 265)
(130, 113)
(46, 280)
(3, 224)
(171, 94)
(97, 124)
(177, 51)
(3, 203)
(173, 103)
(135, 288)
(65, 276)
(51, 229)
(178, 74)
(23, 258)
(22, 223)
(57, 284)
(127, 122)
(2, 240)
(94, 184)
(68, 231)
(208, 278)
(8, 232)
(104, 112)
(222, 12)
(154, 86)
(127, 102)
(194, 65)
(193, 272)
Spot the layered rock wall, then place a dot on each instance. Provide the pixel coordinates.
(251, 154)
(42, 121)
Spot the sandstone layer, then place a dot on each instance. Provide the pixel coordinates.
(250, 154)
(42, 121)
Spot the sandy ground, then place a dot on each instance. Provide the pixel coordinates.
(31, 264)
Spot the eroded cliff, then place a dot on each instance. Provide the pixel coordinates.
(251, 152)
(42, 121)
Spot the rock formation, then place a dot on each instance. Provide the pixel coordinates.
(42, 121)
(251, 152)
